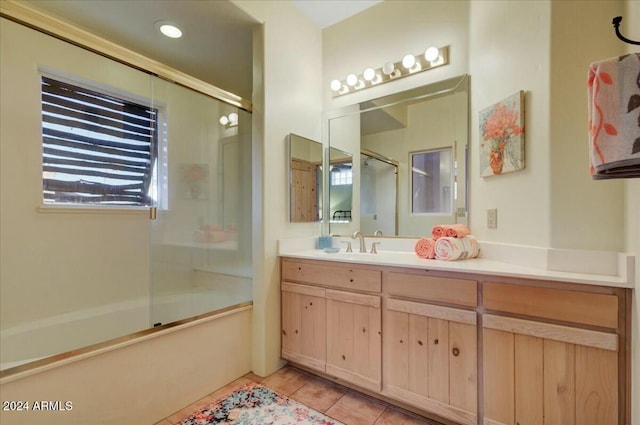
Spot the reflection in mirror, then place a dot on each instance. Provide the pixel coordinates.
(425, 131)
(305, 179)
(378, 194)
(340, 186)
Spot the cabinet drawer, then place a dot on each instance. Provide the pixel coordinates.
(557, 304)
(332, 275)
(433, 288)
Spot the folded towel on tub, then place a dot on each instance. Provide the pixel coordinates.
(450, 249)
(450, 230)
(426, 248)
(614, 117)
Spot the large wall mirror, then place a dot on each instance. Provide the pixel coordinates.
(305, 179)
(410, 169)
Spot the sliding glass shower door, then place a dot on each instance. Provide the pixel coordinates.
(201, 234)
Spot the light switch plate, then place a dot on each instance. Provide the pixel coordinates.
(492, 218)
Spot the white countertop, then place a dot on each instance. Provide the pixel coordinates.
(475, 265)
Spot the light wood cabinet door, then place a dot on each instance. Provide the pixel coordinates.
(304, 325)
(431, 358)
(354, 338)
(538, 373)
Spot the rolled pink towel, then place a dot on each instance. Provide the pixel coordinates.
(449, 249)
(425, 248)
(457, 231)
(438, 231)
(450, 230)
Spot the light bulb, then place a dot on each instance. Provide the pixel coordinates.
(336, 85)
(408, 61)
(224, 120)
(170, 30)
(352, 80)
(431, 54)
(233, 118)
(388, 68)
(369, 74)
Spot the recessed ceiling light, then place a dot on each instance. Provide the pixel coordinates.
(169, 29)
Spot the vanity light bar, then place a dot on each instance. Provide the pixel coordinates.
(230, 120)
(433, 57)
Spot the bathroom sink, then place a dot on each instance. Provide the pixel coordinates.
(380, 257)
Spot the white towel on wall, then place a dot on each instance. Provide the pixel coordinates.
(614, 117)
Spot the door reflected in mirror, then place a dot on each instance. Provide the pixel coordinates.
(340, 186)
(305, 179)
(425, 132)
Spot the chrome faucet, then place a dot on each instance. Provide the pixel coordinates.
(358, 235)
(378, 233)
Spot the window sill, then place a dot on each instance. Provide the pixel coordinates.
(84, 209)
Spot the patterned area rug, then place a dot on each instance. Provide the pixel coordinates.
(254, 404)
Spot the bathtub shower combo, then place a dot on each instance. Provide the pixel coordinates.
(98, 273)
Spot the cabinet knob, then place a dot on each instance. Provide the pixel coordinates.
(436, 341)
(419, 342)
(455, 351)
(364, 330)
(296, 331)
(310, 303)
(401, 341)
(284, 332)
(343, 357)
(351, 280)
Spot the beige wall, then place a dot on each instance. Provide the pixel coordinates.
(602, 201)
(509, 51)
(387, 32)
(631, 29)
(289, 67)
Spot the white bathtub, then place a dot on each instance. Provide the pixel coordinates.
(59, 334)
(54, 335)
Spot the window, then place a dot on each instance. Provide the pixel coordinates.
(341, 176)
(97, 149)
(432, 181)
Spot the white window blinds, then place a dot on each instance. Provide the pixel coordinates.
(96, 148)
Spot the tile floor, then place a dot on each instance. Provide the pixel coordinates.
(335, 401)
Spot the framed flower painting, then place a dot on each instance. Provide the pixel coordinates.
(502, 136)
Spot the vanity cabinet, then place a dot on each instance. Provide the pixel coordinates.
(331, 320)
(304, 325)
(430, 350)
(557, 362)
(354, 351)
(468, 348)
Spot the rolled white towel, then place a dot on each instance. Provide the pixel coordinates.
(450, 249)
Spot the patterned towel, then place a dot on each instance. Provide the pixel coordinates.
(614, 117)
(450, 249)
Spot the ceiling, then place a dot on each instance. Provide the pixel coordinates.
(216, 45)
(325, 13)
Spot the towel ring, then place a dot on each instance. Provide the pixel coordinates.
(616, 24)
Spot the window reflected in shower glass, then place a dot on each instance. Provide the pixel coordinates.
(432, 181)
